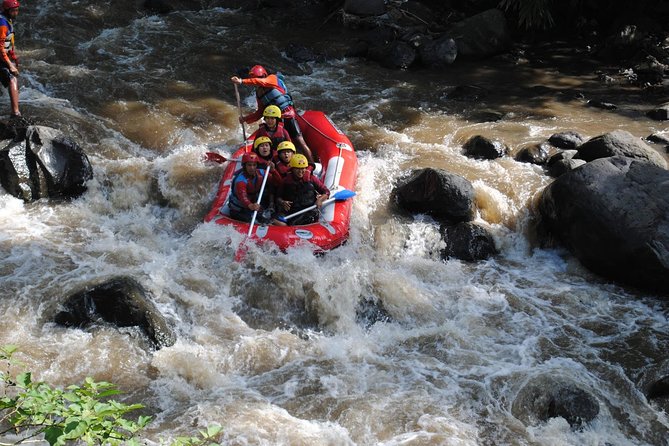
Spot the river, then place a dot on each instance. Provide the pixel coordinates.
(272, 349)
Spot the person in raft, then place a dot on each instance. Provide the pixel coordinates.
(272, 127)
(285, 150)
(9, 68)
(246, 186)
(300, 190)
(262, 146)
(271, 90)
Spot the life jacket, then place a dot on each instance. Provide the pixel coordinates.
(301, 193)
(9, 39)
(278, 135)
(252, 188)
(276, 96)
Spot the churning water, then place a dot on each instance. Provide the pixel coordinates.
(273, 349)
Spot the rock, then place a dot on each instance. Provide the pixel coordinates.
(370, 311)
(654, 383)
(467, 241)
(158, 6)
(365, 8)
(486, 116)
(120, 301)
(660, 114)
(658, 138)
(600, 104)
(46, 164)
(545, 397)
(299, 53)
(562, 166)
(480, 147)
(566, 140)
(534, 154)
(619, 143)
(439, 52)
(440, 194)
(613, 215)
(481, 35)
(396, 54)
(470, 93)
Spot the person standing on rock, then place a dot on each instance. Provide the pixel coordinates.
(271, 90)
(9, 69)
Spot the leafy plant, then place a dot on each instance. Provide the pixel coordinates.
(74, 414)
(531, 13)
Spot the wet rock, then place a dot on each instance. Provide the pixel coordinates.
(364, 8)
(481, 35)
(396, 54)
(370, 311)
(158, 6)
(120, 301)
(600, 104)
(533, 154)
(299, 53)
(470, 93)
(467, 241)
(445, 196)
(619, 143)
(660, 114)
(546, 397)
(613, 215)
(486, 116)
(658, 138)
(439, 52)
(47, 164)
(654, 383)
(480, 147)
(566, 140)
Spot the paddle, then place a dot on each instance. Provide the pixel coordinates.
(220, 159)
(343, 194)
(239, 106)
(241, 251)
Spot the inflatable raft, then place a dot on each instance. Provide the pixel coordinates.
(338, 170)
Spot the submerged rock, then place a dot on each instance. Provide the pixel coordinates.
(533, 154)
(546, 397)
(613, 215)
(120, 301)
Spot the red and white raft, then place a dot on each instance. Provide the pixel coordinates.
(339, 171)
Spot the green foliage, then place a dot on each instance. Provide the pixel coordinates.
(531, 13)
(76, 414)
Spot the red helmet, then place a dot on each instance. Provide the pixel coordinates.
(249, 158)
(10, 4)
(255, 71)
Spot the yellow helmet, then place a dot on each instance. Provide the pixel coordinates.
(299, 161)
(285, 145)
(261, 139)
(272, 111)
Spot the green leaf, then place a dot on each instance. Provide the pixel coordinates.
(213, 430)
(52, 434)
(23, 380)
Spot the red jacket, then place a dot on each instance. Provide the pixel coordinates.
(279, 134)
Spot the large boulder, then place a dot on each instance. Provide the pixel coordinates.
(482, 35)
(619, 143)
(445, 196)
(566, 140)
(47, 164)
(544, 397)
(120, 301)
(613, 215)
(395, 54)
(660, 114)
